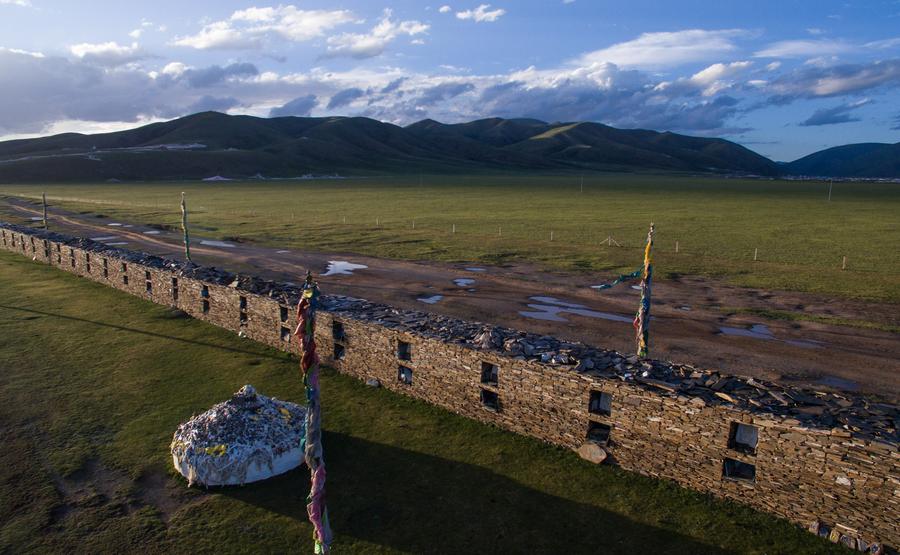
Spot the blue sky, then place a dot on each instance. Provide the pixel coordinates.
(785, 78)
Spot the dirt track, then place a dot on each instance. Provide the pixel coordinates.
(687, 321)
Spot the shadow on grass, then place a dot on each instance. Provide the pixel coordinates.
(420, 503)
(259, 353)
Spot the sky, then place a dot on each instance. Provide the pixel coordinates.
(784, 78)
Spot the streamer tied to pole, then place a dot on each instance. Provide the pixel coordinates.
(642, 318)
(312, 442)
(184, 228)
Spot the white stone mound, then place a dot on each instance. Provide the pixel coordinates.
(248, 438)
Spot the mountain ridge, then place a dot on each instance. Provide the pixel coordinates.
(210, 144)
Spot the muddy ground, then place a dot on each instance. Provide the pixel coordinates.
(694, 320)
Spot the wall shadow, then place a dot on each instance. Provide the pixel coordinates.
(257, 354)
(425, 504)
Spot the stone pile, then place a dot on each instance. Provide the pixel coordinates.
(248, 438)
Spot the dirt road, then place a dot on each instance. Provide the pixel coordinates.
(693, 318)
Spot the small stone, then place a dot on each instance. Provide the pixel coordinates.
(590, 451)
(373, 382)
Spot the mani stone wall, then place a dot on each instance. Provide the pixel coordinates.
(826, 461)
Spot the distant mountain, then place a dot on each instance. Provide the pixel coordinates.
(212, 144)
(857, 160)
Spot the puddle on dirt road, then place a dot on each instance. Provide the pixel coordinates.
(762, 331)
(36, 218)
(434, 299)
(838, 383)
(553, 309)
(119, 243)
(342, 268)
(282, 252)
(463, 282)
(476, 270)
(152, 232)
(114, 224)
(105, 238)
(217, 244)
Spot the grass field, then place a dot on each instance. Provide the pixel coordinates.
(718, 223)
(93, 383)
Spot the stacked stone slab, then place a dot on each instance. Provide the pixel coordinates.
(823, 460)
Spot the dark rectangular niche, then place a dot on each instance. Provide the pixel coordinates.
(339, 351)
(283, 313)
(285, 334)
(600, 403)
(490, 373)
(404, 350)
(404, 375)
(490, 400)
(205, 306)
(174, 289)
(737, 470)
(242, 302)
(598, 433)
(743, 438)
(337, 330)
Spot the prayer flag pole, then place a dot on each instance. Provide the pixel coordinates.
(184, 228)
(642, 318)
(312, 443)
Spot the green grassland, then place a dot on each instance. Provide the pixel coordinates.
(718, 223)
(93, 383)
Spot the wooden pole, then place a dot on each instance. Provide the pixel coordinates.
(454, 228)
(44, 203)
(830, 185)
(676, 247)
(755, 254)
(844, 264)
(551, 235)
(184, 228)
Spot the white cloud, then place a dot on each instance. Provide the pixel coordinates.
(773, 66)
(815, 31)
(21, 3)
(246, 29)
(374, 42)
(804, 48)
(568, 1)
(665, 49)
(445, 9)
(23, 52)
(107, 53)
(136, 34)
(481, 14)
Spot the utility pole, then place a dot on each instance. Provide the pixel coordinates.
(184, 228)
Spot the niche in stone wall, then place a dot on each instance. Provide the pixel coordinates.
(283, 313)
(404, 350)
(339, 351)
(285, 334)
(490, 400)
(337, 330)
(733, 469)
(174, 289)
(490, 373)
(743, 438)
(124, 273)
(148, 280)
(87, 262)
(204, 294)
(105, 267)
(600, 403)
(404, 375)
(598, 433)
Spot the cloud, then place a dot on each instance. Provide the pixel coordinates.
(445, 9)
(300, 106)
(811, 82)
(666, 49)
(249, 28)
(481, 14)
(20, 3)
(136, 34)
(805, 49)
(896, 122)
(392, 86)
(209, 103)
(109, 54)
(344, 97)
(374, 42)
(214, 74)
(835, 115)
(442, 92)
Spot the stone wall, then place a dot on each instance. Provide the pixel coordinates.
(822, 460)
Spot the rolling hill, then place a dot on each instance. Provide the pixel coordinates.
(213, 144)
(857, 160)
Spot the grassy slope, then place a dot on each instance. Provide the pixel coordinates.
(718, 223)
(95, 378)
